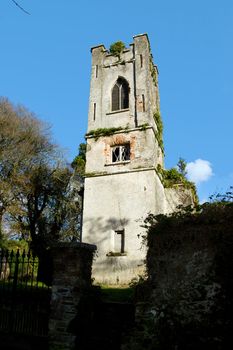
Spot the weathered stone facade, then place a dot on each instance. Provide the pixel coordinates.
(121, 191)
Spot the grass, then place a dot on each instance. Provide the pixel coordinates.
(117, 294)
(22, 284)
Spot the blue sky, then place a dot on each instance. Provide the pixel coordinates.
(45, 65)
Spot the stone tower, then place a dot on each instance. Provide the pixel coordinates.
(123, 151)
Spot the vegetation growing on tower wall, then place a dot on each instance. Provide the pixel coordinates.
(153, 73)
(159, 133)
(117, 48)
(103, 132)
(110, 131)
(177, 176)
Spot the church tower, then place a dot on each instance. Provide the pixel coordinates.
(124, 149)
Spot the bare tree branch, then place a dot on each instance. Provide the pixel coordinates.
(21, 8)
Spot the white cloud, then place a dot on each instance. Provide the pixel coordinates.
(199, 171)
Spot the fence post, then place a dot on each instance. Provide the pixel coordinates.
(15, 278)
(72, 264)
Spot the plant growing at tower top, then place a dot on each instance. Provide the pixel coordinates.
(117, 48)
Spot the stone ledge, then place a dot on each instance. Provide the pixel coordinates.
(120, 172)
(118, 163)
(118, 111)
(74, 245)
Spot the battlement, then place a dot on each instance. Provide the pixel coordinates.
(101, 55)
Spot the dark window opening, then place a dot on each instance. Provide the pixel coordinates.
(143, 103)
(141, 61)
(124, 95)
(94, 112)
(96, 71)
(120, 95)
(119, 241)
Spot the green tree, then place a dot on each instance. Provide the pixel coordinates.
(181, 165)
(79, 161)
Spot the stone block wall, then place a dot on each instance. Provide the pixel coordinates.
(72, 266)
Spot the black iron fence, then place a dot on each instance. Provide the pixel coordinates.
(24, 300)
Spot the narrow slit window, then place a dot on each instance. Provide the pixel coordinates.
(94, 111)
(121, 153)
(141, 61)
(119, 241)
(143, 103)
(96, 71)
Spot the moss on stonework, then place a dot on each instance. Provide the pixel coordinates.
(92, 174)
(103, 132)
(153, 73)
(159, 133)
(144, 126)
(109, 131)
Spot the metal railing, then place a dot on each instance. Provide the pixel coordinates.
(19, 270)
(24, 300)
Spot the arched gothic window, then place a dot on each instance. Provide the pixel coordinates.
(120, 95)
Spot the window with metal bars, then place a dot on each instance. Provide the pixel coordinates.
(121, 153)
(120, 95)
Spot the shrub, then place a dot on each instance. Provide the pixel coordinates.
(117, 48)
